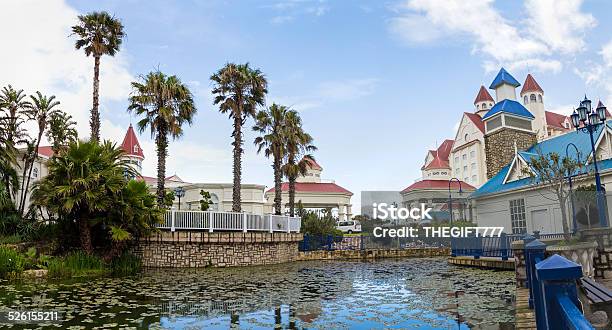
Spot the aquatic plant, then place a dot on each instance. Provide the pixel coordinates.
(125, 265)
(11, 262)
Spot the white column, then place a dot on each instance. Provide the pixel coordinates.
(349, 212)
(341, 214)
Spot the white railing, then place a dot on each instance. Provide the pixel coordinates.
(229, 221)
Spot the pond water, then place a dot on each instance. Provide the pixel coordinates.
(403, 294)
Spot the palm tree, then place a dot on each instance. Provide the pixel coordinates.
(270, 124)
(98, 34)
(39, 110)
(238, 91)
(61, 131)
(298, 145)
(166, 104)
(83, 184)
(12, 103)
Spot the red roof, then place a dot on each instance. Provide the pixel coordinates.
(531, 85)
(438, 185)
(483, 95)
(130, 144)
(313, 164)
(556, 120)
(477, 120)
(315, 187)
(45, 151)
(440, 156)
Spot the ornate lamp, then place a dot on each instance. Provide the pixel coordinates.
(575, 119)
(601, 112)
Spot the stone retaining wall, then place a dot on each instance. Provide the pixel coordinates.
(202, 249)
(374, 254)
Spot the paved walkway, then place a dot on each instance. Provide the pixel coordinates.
(524, 317)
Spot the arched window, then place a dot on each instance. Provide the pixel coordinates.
(532, 98)
(540, 98)
(525, 99)
(35, 173)
(466, 137)
(490, 104)
(477, 106)
(484, 105)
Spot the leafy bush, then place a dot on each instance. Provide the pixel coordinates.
(315, 225)
(11, 262)
(125, 265)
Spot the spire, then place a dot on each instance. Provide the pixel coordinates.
(531, 85)
(130, 144)
(483, 95)
(503, 77)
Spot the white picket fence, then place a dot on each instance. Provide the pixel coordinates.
(229, 221)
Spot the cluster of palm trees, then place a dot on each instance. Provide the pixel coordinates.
(19, 150)
(164, 105)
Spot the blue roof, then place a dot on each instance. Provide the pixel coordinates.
(557, 144)
(504, 77)
(509, 106)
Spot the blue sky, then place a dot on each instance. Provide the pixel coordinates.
(376, 82)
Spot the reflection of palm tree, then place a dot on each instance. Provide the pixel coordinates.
(234, 321)
(277, 318)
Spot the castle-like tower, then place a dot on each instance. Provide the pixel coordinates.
(133, 151)
(483, 102)
(533, 99)
(508, 125)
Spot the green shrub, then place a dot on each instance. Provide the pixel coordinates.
(125, 265)
(76, 264)
(57, 269)
(11, 262)
(11, 239)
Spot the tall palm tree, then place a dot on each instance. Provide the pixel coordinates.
(40, 110)
(83, 184)
(270, 124)
(166, 104)
(98, 34)
(238, 91)
(298, 146)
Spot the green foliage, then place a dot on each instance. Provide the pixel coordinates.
(11, 262)
(76, 264)
(126, 264)
(205, 201)
(168, 199)
(98, 34)
(62, 131)
(315, 225)
(135, 212)
(11, 239)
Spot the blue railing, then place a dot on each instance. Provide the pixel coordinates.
(499, 247)
(552, 289)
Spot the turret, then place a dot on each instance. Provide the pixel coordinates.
(533, 99)
(505, 86)
(132, 150)
(483, 102)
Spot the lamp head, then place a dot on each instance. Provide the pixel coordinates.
(601, 112)
(586, 103)
(582, 112)
(593, 118)
(575, 119)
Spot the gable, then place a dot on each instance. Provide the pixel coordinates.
(515, 171)
(467, 126)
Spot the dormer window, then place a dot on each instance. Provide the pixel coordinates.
(525, 99)
(136, 148)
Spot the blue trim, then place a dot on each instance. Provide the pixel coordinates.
(511, 107)
(503, 77)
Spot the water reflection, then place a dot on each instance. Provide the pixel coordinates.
(408, 293)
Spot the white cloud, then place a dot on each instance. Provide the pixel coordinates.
(598, 73)
(287, 10)
(39, 55)
(551, 27)
(345, 90)
(559, 23)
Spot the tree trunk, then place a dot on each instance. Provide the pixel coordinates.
(115, 250)
(162, 151)
(236, 203)
(292, 195)
(566, 231)
(27, 185)
(278, 177)
(94, 122)
(85, 235)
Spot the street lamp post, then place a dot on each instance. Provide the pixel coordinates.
(569, 176)
(450, 197)
(588, 121)
(180, 193)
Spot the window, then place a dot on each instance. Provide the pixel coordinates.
(477, 106)
(466, 137)
(525, 99)
(457, 159)
(466, 179)
(493, 123)
(136, 148)
(35, 173)
(490, 104)
(465, 169)
(517, 216)
(473, 166)
(457, 170)
(532, 98)
(464, 156)
(472, 154)
(518, 123)
(540, 98)
(484, 105)
(473, 178)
